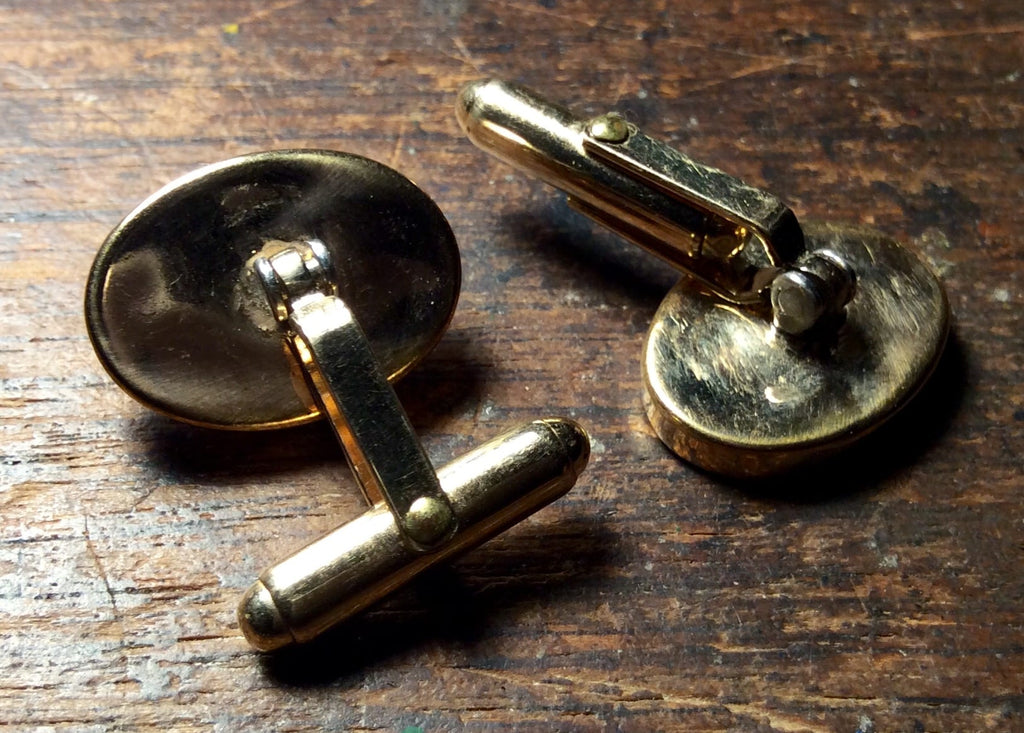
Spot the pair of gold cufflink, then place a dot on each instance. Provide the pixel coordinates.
(277, 288)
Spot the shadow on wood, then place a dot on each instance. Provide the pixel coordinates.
(895, 447)
(443, 384)
(458, 605)
(576, 248)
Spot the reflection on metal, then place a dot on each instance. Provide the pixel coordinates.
(785, 342)
(346, 382)
(489, 489)
(250, 276)
(183, 327)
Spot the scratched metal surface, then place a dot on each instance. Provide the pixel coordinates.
(882, 594)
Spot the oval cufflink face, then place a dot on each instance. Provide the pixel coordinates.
(178, 319)
(728, 392)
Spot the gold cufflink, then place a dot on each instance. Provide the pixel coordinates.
(272, 289)
(785, 342)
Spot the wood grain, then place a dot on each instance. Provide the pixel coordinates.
(881, 593)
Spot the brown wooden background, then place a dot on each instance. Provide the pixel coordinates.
(881, 594)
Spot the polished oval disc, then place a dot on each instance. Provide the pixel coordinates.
(728, 392)
(180, 322)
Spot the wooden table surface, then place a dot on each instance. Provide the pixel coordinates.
(881, 593)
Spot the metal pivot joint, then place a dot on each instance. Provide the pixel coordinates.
(276, 288)
(344, 379)
(785, 341)
(738, 240)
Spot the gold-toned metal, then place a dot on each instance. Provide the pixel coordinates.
(284, 276)
(609, 128)
(490, 489)
(350, 389)
(180, 324)
(785, 342)
(727, 390)
(712, 226)
(418, 518)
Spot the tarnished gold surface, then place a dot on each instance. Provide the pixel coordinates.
(180, 323)
(729, 392)
(490, 489)
(758, 359)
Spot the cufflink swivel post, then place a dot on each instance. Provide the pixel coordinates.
(785, 341)
(276, 288)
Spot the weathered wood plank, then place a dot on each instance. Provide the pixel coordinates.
(882, 595)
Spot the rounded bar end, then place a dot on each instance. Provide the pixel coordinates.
(261, 621)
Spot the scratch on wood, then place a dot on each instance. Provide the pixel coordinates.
(945, 33)
(91, 549)
(464, 55)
